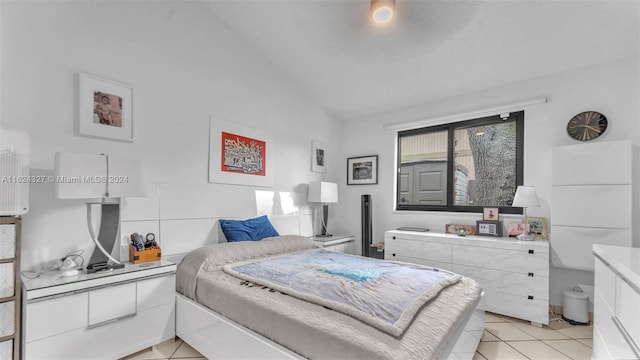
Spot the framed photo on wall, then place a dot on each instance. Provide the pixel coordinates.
(318, 156)
(362, 170)
(105, 108)
(239, 154)
(537, 227)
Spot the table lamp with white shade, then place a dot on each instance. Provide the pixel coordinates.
(101, 180)
(323, 192)
(525, 197)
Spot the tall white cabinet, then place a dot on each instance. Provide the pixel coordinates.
(513, 274)
(593, 198)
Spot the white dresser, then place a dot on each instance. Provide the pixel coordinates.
(105, 315)
(514, 274)
(616, 331)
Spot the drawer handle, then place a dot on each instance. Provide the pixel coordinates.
(530, 275)
(107, 322)
(394, 254)
(531, 251)
(626, 336)
(394, 238)
(530, 297)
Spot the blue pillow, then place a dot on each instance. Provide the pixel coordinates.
(248, 230)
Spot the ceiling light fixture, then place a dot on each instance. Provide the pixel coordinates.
(382, 10)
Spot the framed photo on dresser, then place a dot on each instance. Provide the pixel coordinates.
(490, 214)
(489, 228)
(537, 227)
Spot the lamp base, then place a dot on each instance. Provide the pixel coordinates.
(101, 259)
(97, 267)
(323, 235)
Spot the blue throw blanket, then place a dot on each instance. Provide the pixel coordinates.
(383, 294)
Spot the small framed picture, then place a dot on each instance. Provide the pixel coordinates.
(318, 156)
(490, 214)
(105, 108)
(516, 229)
(460, 228)
(489, 228)
(537, 227)
(362, 170)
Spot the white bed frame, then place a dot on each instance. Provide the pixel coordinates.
(218, 337)
(175, 212)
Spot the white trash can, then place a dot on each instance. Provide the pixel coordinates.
(575, 307)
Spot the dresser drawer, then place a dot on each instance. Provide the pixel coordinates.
(628, 309)
(155, 292)
(611, 343)
(7, 318)
(418, 249)
(616, 199)
(517, 306)
(501, 259)
(507, 282)
(432, 263)
(108, 342)
(605, 283)
(6, 349)
(7, 279)
(53, 316)
(111, 303)
(7, 241)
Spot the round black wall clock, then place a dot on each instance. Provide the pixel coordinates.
(587, 126)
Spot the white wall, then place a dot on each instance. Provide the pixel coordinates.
(612, 89)
(184, 66)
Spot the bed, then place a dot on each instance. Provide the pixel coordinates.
(225, 316)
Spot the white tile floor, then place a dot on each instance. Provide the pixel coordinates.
(507, 338)
(504, 338)
(171, 349)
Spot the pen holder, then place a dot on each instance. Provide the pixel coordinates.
(137, 257)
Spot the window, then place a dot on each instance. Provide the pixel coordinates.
(461, 166)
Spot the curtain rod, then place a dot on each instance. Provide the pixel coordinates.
(463, 116)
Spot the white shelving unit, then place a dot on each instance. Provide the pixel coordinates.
(10, 301)
(593, 190)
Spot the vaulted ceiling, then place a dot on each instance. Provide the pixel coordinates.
(432, 50)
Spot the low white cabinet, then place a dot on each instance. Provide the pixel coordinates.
(616, 332)
(99, 316)
(337, 243)
(514, 274)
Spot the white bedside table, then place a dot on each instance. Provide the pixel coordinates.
(337, 243)
(102, 315)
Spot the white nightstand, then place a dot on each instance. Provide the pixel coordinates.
(337, 243)
(102, 315)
